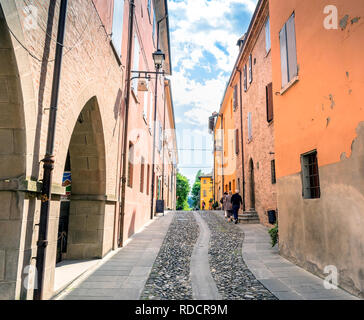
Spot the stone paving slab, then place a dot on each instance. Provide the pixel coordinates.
(124, 275)
(284, 279)
(203, 285)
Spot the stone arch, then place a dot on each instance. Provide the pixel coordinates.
(13, 247)
(252, 184)
(85, 232)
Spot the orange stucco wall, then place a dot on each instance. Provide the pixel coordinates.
(322, 110)
(229, 156)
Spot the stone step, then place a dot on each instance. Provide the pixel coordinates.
(249, 217)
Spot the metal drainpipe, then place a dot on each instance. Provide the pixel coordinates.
(242, 139)
(126, 120)
(164, 128)
(48, 160)
(155, 124)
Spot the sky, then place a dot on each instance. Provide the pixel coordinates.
(204, 35)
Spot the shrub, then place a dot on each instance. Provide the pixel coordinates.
(274, 235)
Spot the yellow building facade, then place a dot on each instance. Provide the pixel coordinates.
(206, 191)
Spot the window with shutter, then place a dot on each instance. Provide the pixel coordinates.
(160, 137)
(145, 102)
(273, 171)
(151, 108)
(250, 68)
(235, 97)
(117, 25)
(291, 48)
(284, 61)
(250, 136)
(267, 35)
(237, 141)
(148, 179)
(142, 165)
(136, 62)
(287, 38)
(245, 79)
(131, 165)
(269, 98)
(154, 29)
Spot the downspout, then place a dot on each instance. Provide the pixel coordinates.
(48, 161)
(242, 139)
(126, 122)
(164, 128)
(155, 125)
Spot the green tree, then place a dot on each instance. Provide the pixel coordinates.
(183, 189)
(196, 190)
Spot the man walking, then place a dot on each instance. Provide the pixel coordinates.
(236, 201)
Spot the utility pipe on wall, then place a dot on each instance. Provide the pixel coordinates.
(48, 161)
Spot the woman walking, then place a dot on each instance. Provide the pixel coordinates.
(229, 206)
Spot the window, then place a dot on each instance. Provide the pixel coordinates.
(142, 168)
(235, 97)
(160, 136)
(287, 38)
(237, 141)
(269, 101)
(204, 182)
(145, 102)
(245, 79)
(154, 29)
(229, 186)
(273, 171)
(310, 176)
(136, 62)
(151, 107)
(149, 7)
(148, 179)
(131, 165)
(204, 193)
(250, 135)
(250, 68)
(267, 35)
(117, 25)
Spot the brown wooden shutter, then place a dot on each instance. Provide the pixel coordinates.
(237, 141)
(269, 97)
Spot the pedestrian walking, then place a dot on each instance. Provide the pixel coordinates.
(203, 204)
(229, 206)
(236, 201)
(223, 203)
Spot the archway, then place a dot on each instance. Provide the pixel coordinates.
(81, 228)
(13, 247)
(252, 184)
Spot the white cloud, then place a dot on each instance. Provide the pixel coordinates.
(197, 26)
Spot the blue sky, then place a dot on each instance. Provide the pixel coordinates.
(203, 34)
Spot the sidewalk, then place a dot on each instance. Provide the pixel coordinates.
(283, 278)
(124, 275)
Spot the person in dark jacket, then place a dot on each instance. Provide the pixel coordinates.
(236, 201)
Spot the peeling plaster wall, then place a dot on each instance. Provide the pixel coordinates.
(315, 233)
(322, 111)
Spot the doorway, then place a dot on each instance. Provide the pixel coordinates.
(252, 184)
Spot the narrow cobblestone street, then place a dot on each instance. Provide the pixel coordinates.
(198, 256)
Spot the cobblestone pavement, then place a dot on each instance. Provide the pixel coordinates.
(170, 276)
(233, 278)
